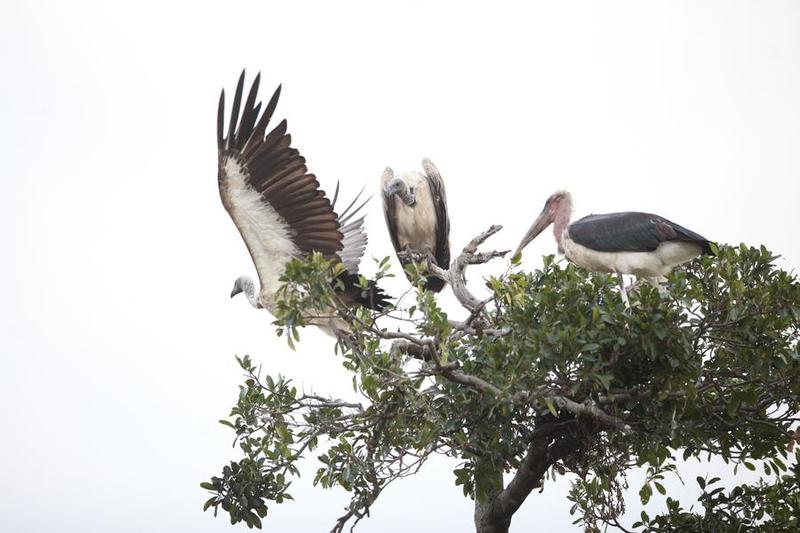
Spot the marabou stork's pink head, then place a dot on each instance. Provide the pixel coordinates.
(557, 210)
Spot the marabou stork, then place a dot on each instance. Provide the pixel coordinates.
(416, 217)
(279, 208)
(642, 244)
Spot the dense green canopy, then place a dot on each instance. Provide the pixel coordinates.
(550, 375)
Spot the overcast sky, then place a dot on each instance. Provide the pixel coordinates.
(117, 334)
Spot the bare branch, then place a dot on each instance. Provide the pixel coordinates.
(455, 275)
(471, 381)
(472, 246)
(592, 411)
(415, 350)
(578, 409)
(327, 402)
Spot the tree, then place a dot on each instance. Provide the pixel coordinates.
(549, 375)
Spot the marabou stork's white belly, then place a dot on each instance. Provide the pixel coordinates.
(653, 264)
(416, 225)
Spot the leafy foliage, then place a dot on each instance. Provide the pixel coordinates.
(551, 374)
(763, 507)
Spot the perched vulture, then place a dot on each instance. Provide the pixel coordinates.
(279, 208)
(415, 206)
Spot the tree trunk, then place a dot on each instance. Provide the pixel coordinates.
(494, 514)
(486, 519)
(485, 522)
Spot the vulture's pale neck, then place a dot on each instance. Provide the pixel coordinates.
(247, 286)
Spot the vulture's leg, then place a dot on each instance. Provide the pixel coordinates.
(432, 259)
(403, 254)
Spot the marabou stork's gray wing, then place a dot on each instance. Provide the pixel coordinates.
(276, 204)
(355, 235)
(436, 184)
(630, 232)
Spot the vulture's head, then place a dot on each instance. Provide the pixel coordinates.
(403, 186)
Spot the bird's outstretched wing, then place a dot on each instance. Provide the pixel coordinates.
(276, 204)
(631, 232)
(354, 242)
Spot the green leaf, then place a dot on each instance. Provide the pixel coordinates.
(283, 433)
(645, 493)
(551, 406)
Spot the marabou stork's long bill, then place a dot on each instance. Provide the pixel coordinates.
(642, 244)
(415, 206)
(278, 206)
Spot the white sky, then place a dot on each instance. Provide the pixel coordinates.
(117, 335)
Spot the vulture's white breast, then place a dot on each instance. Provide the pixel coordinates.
(416, 225)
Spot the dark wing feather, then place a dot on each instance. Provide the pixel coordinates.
(630, 232)
(390, 213)
(276, 171)
(442, 251)
(372, 297)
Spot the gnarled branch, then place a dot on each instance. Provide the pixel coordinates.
(456, 277)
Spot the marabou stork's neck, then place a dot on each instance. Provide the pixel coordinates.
(561, 220)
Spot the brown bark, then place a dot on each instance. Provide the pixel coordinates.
(494, 515)
(486, 518)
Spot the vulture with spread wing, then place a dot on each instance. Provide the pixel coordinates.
(279, 208)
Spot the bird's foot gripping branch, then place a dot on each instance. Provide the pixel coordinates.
(546, 374)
